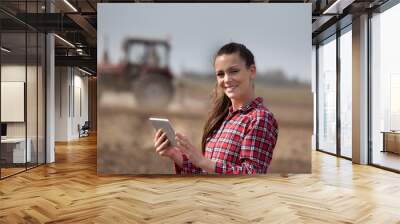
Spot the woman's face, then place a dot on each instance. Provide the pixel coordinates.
(233, 76)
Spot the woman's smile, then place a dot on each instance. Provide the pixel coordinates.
(230, 88)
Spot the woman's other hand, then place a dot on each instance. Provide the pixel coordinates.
(186, 147)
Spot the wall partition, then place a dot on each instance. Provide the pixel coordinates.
(14, 153)
(22, 88)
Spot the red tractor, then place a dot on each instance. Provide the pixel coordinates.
(144, 71)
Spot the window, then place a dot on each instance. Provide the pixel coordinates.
(385, 89)
(346, 92)
(327, 95)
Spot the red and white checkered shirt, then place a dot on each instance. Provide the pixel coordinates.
(243, 144)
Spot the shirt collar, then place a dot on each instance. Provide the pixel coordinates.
(253, 104)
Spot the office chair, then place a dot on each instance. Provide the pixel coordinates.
(84, 130)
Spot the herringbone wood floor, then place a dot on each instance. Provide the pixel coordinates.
(69, 191)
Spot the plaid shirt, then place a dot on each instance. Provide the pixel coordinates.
(243, 144)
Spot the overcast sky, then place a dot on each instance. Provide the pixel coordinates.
(279, 35)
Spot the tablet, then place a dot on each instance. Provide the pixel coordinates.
(161, 123)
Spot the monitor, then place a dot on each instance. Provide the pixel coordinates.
(3, 129)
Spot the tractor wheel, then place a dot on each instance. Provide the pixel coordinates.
(153, 91)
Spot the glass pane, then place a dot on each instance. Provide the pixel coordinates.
(31, 100)
(327, 96)
(31, 86)
(386, 89)
(13, 87)
(346, 94)
(41, 98)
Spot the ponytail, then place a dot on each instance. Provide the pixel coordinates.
(220, 109)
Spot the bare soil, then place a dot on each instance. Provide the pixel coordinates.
(125, 136)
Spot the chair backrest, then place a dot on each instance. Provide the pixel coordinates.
(86, 125)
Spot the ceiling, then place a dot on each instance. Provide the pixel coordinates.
(76, 21)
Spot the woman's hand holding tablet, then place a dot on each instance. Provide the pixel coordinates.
(165, 125)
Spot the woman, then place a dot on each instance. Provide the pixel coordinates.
(240, 133)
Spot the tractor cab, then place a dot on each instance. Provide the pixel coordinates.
(147, 64)
(148, 53)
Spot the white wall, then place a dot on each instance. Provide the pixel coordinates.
(12, 73)
(62, 81)
(70, 84)
(33, 126)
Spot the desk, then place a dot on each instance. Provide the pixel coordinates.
(15, 148)
(391, 141)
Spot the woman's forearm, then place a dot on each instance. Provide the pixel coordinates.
(177, 158)
(204, 163)
(207, 165)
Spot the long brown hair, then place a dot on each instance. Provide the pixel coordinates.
(221, 102)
